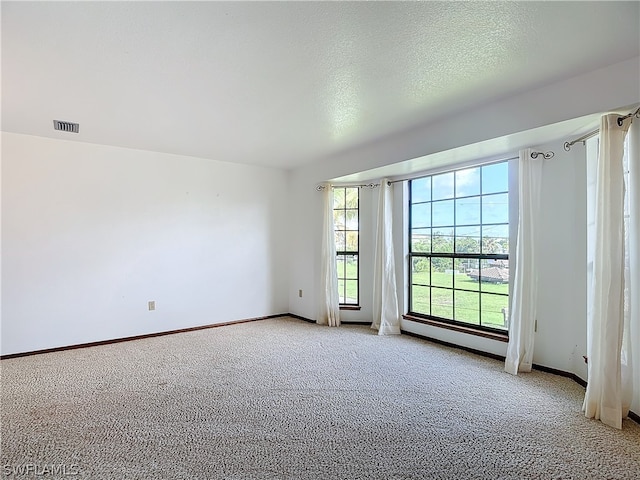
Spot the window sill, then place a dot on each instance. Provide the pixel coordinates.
(500, 337)
(350, 307)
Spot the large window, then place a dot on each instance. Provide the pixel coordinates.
(345, 218)
(459, 251)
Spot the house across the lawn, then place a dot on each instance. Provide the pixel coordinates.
(490, 275)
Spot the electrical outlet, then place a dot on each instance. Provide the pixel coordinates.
(152, 305)
(300, 293)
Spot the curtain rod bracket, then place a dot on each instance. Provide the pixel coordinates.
(632, 114)
(545, 155)
(583, 139)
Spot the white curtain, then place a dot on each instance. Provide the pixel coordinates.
(632, 343)
(609, 387)
(329, 313)
(629, 362)
(386, 316)
(633, 198)
(525, 287)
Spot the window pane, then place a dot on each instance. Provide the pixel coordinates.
(352, 292)
(339, 220)
(352, 241)
(340, 264)
(351, 267)
(421, 215)
(467, 239)
(442, 240)
(442, 272)
(338, 198)
(351, 219)
(340, 241)
(467, 276)
(420, 299)
(421, 240)
(351, 198)
(468, 211)
(467, 307)
(495, 239)
(421, 190)
(495, 178)
(494, 310)
(494, 276)
(442, 213)
(442, 303)
(347, 267)
(468, 182)
(442, 186)
(495, 208)
(420, 271)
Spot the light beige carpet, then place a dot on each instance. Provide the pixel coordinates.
(284, 398)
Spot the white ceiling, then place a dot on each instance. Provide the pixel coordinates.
(283, 84)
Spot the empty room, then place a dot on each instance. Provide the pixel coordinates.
(377, 240)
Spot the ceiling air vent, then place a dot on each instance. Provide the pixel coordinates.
(66, 126)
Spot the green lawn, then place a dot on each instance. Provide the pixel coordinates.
(467, 303)
(350, 272)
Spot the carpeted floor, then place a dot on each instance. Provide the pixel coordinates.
(284, 398)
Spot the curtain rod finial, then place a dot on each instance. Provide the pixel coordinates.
(545, 155)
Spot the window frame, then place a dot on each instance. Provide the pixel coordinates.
(342, 276)
(480, 328)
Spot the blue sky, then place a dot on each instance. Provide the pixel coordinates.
(444, 189)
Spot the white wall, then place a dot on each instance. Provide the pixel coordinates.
(561, 339)
(90, 233)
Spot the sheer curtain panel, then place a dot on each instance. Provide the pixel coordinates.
(386, 317)
(329, 300)
(525, 287)
(609, 387)
(633, 242)
(628, 355)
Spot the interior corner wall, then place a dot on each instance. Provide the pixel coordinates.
(305, 211)
(306, 247)
(91, 233)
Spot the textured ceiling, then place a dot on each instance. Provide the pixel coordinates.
(284, 83)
